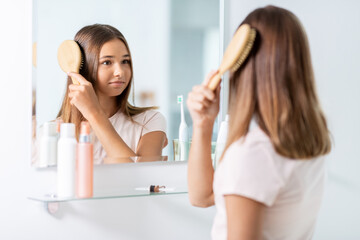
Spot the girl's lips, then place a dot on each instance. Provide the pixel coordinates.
(117, 83)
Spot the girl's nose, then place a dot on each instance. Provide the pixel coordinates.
(118, 72)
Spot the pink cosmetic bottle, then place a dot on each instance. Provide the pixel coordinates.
(84, 163)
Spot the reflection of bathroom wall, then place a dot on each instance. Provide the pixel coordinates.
(195, 44)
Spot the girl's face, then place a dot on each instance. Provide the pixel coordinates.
(114, 71)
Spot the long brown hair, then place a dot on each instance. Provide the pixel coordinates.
(91, 39)
(276, 86)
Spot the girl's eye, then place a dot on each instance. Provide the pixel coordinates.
(106, 63)
(126, 61)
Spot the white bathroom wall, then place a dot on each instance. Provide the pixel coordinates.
(334, 35)
(156, 217)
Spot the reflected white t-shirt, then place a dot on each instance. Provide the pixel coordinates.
(291, 190)
(131, 132)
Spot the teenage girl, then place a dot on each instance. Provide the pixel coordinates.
(120, 129)
(270, 180)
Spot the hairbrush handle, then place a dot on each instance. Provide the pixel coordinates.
(214, 81)
(75, 81)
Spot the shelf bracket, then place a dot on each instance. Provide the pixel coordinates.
(52, 207)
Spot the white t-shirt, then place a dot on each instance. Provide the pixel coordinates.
(131, 132)
(291, 190)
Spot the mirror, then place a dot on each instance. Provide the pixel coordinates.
(174, 44)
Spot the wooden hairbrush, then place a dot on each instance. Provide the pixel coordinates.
(70, 57)
(236, 53)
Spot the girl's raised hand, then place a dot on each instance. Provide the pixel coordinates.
(203, 103)
(83, 96)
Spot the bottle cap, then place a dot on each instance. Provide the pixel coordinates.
(67, 130)
(49, 129)
(85, 128)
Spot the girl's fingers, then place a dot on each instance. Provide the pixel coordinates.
(73, 87)
(198, 107)
(204, 90)
(199, 98)
(72, 94)
(197, 102)
(211, 74)
(78, 77)
(217, 91)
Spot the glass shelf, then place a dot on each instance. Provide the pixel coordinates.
(52, 198)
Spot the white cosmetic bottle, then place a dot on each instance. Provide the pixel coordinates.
(66, 161)
(48, 145)
(221, 140)
(184, 144)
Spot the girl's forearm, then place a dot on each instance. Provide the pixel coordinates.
(113, 144)
(200, 169)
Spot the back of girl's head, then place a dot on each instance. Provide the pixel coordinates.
(275, 85)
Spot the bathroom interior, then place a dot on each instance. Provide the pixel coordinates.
(174, 44)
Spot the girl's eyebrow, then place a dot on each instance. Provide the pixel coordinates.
(109, 56)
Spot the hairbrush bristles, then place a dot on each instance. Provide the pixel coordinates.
(82, 62)
(82, 57)
(235, 54)
(246, 51)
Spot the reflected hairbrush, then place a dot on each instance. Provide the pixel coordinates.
(70, 57)
(236, 53)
